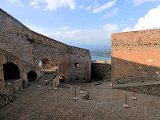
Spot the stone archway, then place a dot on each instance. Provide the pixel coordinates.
(11, 71)
(62, 79)
(31, 76)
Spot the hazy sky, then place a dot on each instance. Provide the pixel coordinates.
(84, 23)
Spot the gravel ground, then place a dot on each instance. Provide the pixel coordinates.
(104, 103)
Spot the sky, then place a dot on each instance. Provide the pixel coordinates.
(84, 23)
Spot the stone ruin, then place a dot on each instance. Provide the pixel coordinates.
(26, 56)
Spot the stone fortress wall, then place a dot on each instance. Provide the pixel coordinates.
(136, 56)
(29, 49)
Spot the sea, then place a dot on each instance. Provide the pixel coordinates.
(93, 57)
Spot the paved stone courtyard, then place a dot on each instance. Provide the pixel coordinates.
(105, 103)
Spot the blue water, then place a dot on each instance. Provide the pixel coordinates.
(100, 58)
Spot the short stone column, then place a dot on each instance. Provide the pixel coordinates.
(1, 78)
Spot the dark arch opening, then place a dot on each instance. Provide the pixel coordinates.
(11, 71)
(31, 76)
(77, 65)
(62, 79)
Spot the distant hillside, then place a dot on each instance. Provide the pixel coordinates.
(100, 54)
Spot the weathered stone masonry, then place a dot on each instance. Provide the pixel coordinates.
(136, 56)
(27, 49)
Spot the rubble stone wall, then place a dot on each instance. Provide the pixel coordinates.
(32, 48)
(101, 71)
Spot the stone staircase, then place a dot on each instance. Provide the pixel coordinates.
(45, 79)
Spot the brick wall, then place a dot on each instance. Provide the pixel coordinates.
(135, 56)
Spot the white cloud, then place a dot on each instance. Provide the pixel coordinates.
(88, 34)
(139, 2)
(64, 28)
(81, 37)
(35, 4)
(149, 21)
(127, 29)
(114, 12)
(104, 7)
(53, 5)
(110, 27)
(15, 2)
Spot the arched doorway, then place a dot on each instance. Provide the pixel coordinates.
(31, 76)
(62, 79)
(11, 71)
